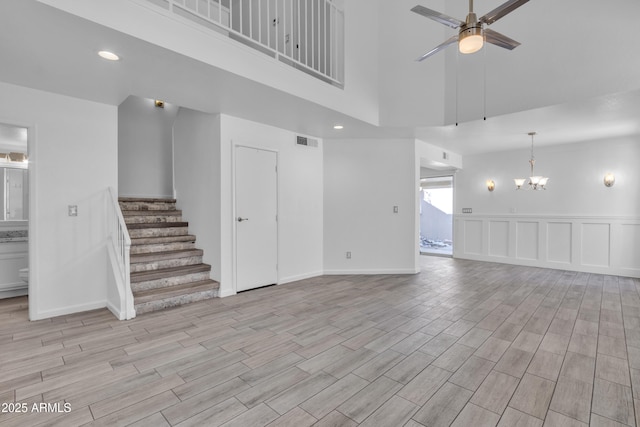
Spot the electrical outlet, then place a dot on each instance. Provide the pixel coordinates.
(467, 210)
(395, 209)
(73, 210)
(348, 255)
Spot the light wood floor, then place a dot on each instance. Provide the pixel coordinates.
(462, 343)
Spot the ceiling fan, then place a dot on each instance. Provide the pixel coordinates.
(472, 34)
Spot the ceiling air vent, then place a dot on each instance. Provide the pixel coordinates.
(307, 142)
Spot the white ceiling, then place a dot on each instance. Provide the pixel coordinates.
(47, 49)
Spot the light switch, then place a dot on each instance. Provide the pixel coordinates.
(73, 210)
(395, 209)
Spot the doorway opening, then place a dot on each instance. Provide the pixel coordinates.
(436, 216)
(14, 213)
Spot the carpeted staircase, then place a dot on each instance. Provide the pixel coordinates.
(166, 267)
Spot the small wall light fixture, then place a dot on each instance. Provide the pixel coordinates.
(491, 185)
(159, 103)
(338, 127)
(609, 180)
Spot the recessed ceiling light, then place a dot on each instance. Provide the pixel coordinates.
(338, 127)
(108, 55)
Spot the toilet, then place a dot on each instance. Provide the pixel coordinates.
(24, 274)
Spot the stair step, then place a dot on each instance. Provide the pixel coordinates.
(162, 247)
(146, 199)
(159, 299)
(143, 276)
(158, 225)
(162, 244)
(162, 256)
(172, 280)
(146, 204)
(162, 229)
(161, 240)
(162, 264)
(153, 216)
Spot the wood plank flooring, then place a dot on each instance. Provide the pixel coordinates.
(462, 343)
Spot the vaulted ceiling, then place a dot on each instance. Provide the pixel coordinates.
(574, 77)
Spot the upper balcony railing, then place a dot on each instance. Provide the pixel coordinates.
(305, 34)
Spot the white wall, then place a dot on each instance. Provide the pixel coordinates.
(300, 201)
(411, 93)
(197, 180)
(143, 20)
(73, 159)
(432, 156)
(576, 224)
(363, 181)
(145, 164)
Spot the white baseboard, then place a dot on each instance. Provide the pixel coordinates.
(226, 293)
(373, 271)
(46, 314)
(295, 278)
(14, 293)
(114, 310)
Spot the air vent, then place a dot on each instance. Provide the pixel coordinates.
(307, 142)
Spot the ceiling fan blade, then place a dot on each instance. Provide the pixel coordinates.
(438, 48)
(501, 11)
(499, 39)
(437, 16)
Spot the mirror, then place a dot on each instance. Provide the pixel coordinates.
(14, 193)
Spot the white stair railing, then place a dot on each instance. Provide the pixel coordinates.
(305, 34)
(119, 249)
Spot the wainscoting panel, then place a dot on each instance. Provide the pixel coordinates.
(499, 238)
(605, 245)
(527, 240)
(595, 244)
(629, 251)
(473, 237)
(559, 242)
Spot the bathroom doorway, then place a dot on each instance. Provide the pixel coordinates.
(14, 213)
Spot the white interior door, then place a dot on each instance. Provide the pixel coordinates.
(256, 218)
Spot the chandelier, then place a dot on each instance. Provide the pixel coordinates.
(536, 182)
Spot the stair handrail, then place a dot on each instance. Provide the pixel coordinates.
(121, 244)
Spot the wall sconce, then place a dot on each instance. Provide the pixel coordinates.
(491, 185)
(609, 180)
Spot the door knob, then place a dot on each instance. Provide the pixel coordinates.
(240, 219)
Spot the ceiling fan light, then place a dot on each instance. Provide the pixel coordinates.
(471, 40)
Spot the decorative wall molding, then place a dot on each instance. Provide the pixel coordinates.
(592, 244)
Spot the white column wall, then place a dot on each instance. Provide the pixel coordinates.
(300, 172)
(576, 224)
(363, 181)
(73, 156)
(197, 180)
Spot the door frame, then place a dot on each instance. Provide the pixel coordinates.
(444, 174)
(234, 235)
(32, 243)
